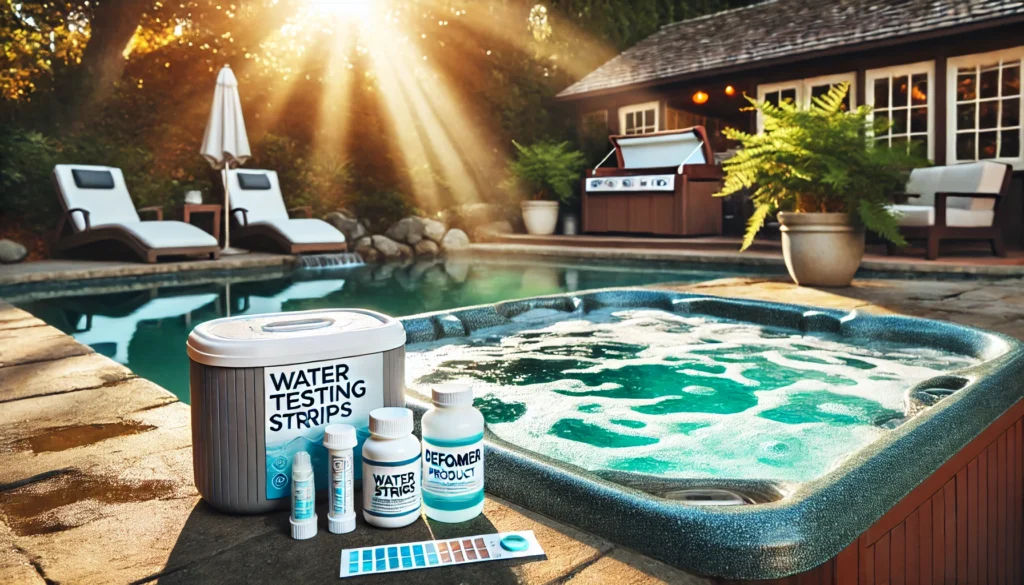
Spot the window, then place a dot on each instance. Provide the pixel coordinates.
(639, 118)
(802, 91)
(984, 117)
(903, 95)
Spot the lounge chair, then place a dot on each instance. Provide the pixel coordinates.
(956, 202)
(98, 214)
(263, 222)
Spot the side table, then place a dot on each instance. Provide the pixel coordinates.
(212, 208)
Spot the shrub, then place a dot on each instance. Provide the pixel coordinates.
(547, 170)
(379, 209)
(819, 159)
(319, 180)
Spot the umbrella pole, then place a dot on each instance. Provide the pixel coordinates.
(228, 250)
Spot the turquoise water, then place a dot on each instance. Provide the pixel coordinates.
(644, 390)
(145, 328)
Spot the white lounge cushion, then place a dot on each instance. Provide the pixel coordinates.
(924, 215)
(166, 234)
(305, 231)
(974, 177)
(105, 206)
(260, 204)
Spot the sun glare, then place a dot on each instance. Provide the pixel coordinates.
(353, 10)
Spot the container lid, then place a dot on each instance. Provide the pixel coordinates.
(340, 437)
(663, 149)
(452, 395)
(393, 422)
(276, 339)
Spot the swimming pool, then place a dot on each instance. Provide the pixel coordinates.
(751, 440)
(144, 326)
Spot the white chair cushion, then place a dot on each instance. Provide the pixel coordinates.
(306, 231)
(924, 215)
(974, 177)
(167, 234)
(105, 206)
(260, 204)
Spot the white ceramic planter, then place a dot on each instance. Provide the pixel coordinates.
(540, 217)
(821, 249)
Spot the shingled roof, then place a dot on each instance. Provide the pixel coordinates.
(780, 28)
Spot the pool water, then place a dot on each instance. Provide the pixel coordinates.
(680, 396)
(145, 327)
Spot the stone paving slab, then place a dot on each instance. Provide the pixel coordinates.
(37, 344)
(625, 567)
(58, 376)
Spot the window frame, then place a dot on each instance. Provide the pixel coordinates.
(908, 69)
(640, 107)
(803, 90)
(953, 64)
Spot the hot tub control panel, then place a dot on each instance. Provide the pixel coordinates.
(636, 183)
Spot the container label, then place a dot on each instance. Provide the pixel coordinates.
(453, 473)
(341, 485)
(302, 500)
(302, 399)
(391, 489)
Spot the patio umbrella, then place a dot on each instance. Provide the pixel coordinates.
(225, 144)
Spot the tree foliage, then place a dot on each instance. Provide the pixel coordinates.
(819, 159)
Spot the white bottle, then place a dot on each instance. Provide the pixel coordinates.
(303, 518)
(453, 456)
(391, 470)
(339, 441)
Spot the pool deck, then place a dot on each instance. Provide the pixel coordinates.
(96, 472)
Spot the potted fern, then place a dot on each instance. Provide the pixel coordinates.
(822, 169)
(548, 171)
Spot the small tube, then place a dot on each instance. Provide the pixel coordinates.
(339, 441)
(303, 519)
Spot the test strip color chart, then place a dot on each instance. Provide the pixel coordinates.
(438, 553)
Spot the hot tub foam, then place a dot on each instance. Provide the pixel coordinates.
(822, 464)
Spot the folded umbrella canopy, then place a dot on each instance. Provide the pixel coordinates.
(225, 144)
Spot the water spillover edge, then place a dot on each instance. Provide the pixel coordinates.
(680, 396)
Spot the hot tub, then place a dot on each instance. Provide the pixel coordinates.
(746, 440)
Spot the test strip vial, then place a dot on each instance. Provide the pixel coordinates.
(339, 440)
(303, 518)
(391, 470)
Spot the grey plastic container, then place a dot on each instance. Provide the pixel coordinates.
(330, 357)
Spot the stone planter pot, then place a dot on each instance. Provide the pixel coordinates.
(540, 217)
(821, 249)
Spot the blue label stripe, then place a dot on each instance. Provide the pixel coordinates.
(452, 503)
(454, 442)
(383, 515)
(392, 463)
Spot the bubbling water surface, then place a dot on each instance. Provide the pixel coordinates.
(648, 391)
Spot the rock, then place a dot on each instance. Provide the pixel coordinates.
(351, 227)
(12, 252)
(370, 255)
(455, 239)
(433, 229)
(405, 252)
(427, 248)
(490, 232)
(458, 270)
(408, 230)
(387, 247)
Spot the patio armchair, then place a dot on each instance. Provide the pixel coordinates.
(98, 216)
(263, 222)
(955, 202)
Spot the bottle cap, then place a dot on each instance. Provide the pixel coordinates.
(391, 422)
(341, 525)
(340, 437)
(452, 395)
(303, 529)
(301, 463)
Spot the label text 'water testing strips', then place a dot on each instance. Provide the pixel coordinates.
(438, 553)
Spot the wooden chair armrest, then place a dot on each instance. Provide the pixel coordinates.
(245, 215)
(308, 209)
(972, 195)
(159, 210)
(68, 217)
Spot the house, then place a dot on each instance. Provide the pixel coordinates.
(946, 72)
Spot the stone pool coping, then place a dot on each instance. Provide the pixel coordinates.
(819, 518)
(96, 487)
